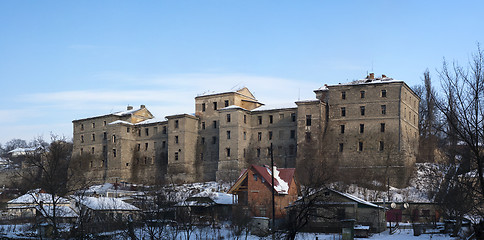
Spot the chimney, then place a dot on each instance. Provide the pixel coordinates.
(383, 76)
(372, 75)
(142, 106)
(129, 107)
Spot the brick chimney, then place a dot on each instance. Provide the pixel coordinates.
(142, 106)
(372, 75)
(129, 107)
(383, 76)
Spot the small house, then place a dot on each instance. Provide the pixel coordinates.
(29, 204)
(254, 190)
(330, 208)
(215, 205)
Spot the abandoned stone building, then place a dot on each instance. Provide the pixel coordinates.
(369, 124)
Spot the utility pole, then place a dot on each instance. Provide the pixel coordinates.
(273, 195)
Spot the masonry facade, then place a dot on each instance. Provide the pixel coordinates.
(369, 124)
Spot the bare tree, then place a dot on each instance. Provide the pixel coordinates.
(463, 108)
(47, 169)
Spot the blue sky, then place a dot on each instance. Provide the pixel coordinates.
(65, 60)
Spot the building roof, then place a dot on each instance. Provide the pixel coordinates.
(356, 199)
(106, 203)
(60, 211)
(282, 178)
(36, 197)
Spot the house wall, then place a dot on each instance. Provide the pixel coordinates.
(259, 197)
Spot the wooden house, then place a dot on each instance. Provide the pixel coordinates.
(254, 190)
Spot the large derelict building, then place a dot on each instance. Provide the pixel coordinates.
(368, 125)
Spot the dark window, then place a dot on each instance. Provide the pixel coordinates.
(228, 134)
(147, 131)
(362, 110)
(245, 135)
(362, 128)
(362, 94)
(139, 132)
(114, 152)
(259, 119)
(214, 124)
(127, 129)
(293, 134)
(360, 146)
(93, 125)
(226, 103)
(342, 128)
(104, 123)
(82, 127)
(270, 135)
(164, 129)
(271, 119)
(343, 95)
(139, 147)
(176, 139)
(163, 144)
(214, 140)
(245, 118)
(383, 93)
(308, 136)
(214, 105)
(259, 136)
(341, 214)
(308, 120)
(203, 140)
(382, 145)
(82, 138)
(176, 156)
(176, 123)
(105, 135)
(203, 107)
(93, 137)
(341, 145)
(293, 117)
(92, 150)
(228, 152)
(228, 118)
(343, 111)
(382, 127)
(203, 125)
(383, 109)
(258, 152)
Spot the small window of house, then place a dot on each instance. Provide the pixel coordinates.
(341, 145)
(176, 123)
(214, 105)
(383, 109)
(362, 110)
(227, 150)
(343, 95)
(228, 134)
(228, 118)
(270, 135)
(383, 93)
(259, 120)
(342, 129)
(176, 139)
(259, 136)
(382, 127)
(214, 124)
(362, 128)
(343, 111)
(293, 134)
(382, 146)
(271, 119)
(226, 102)
(203, 125)
(362, 94)
(360, 146)
(147, 131)
(308, 120)
(203, 107)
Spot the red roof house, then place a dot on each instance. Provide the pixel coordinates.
(254, 190)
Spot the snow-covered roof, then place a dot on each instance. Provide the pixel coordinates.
(275, 106)
(356, 199)
(153, 120)
(35, 198)
(127, 112)
(106, 203)
(217, 197)
(22, 150)
(233, 107)
(120, 122)
(282, 178)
